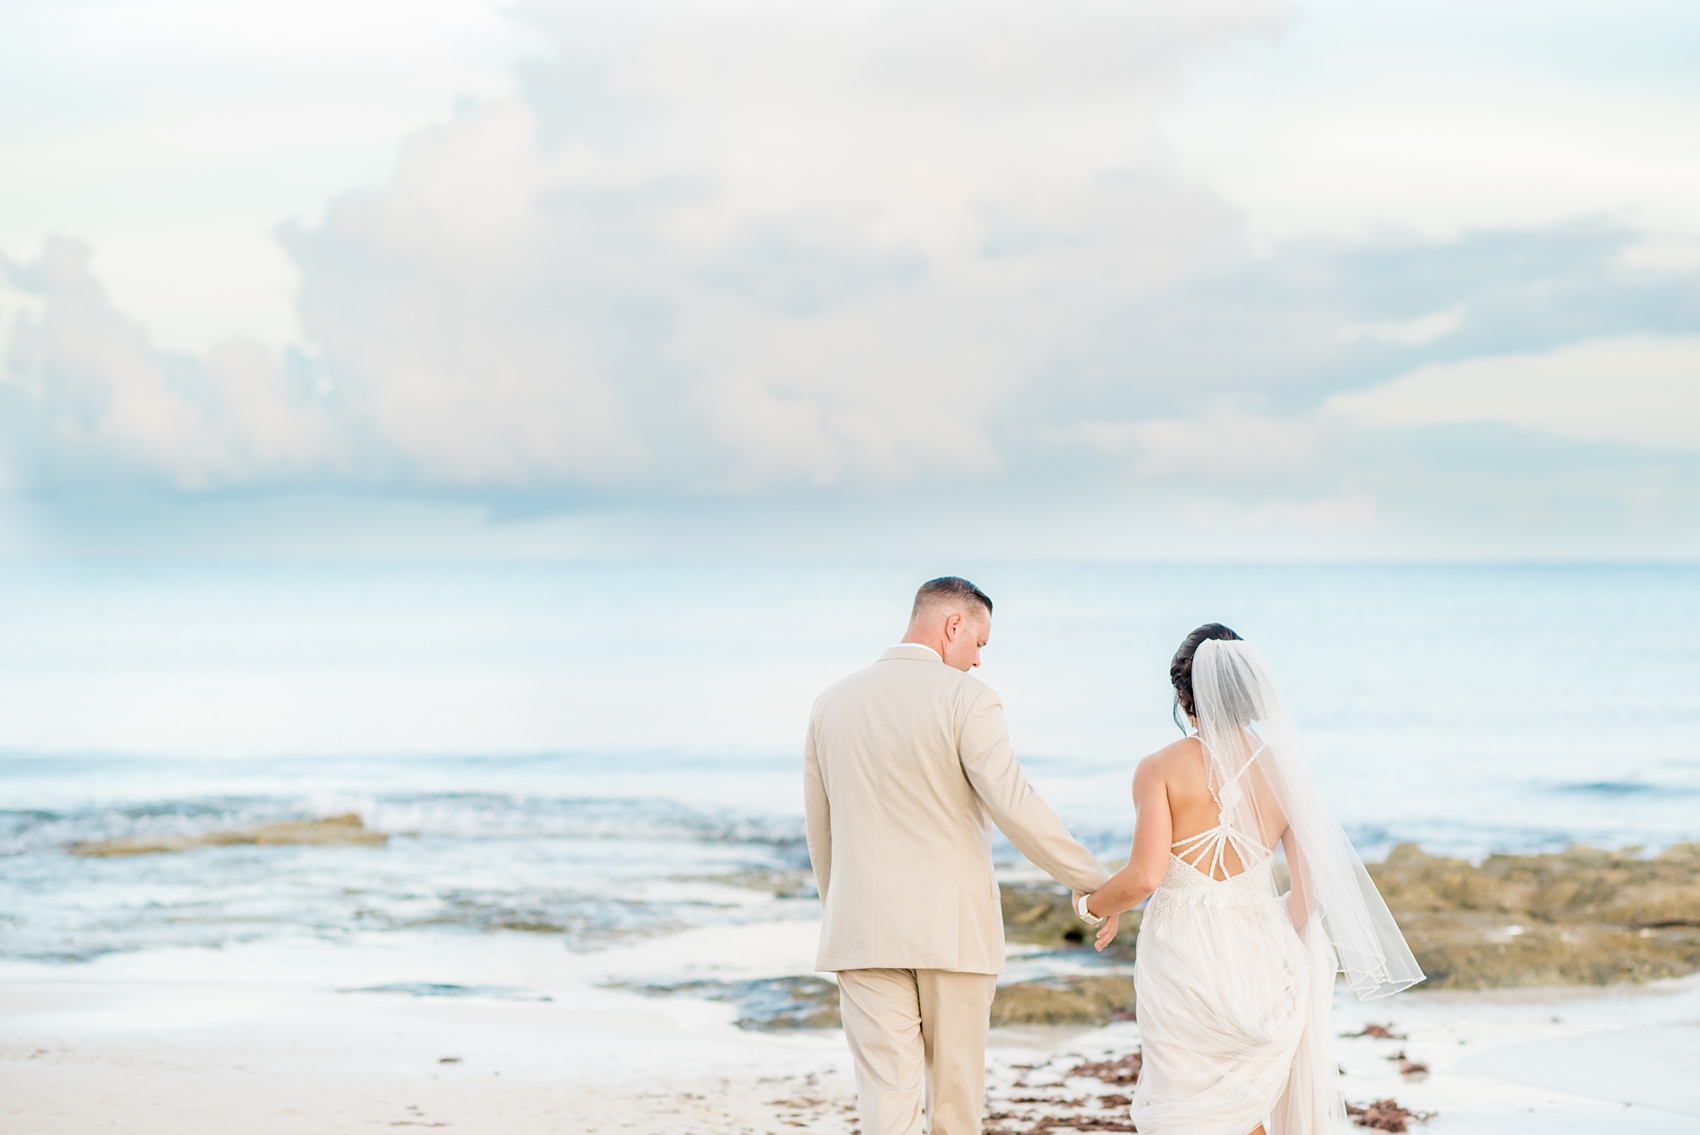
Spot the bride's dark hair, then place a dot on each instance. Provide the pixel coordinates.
(1180, 667)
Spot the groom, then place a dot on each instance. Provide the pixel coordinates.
(906, 767)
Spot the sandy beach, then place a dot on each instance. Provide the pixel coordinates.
(511, 1034)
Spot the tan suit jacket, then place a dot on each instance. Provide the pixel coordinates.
(906, 768)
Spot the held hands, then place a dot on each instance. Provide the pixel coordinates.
(1106, 927)
(1107, 932)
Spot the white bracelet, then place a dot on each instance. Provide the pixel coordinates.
(1087, 916)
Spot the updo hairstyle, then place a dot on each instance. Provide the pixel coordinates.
(1180, 667)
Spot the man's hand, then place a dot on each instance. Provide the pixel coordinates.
(1107, 932)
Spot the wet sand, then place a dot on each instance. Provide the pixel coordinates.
(512, 1034)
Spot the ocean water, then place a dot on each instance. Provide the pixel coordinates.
(601, 750)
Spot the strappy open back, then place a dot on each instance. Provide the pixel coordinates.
(1212, 844)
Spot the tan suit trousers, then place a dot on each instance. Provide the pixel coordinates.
(918, 1037)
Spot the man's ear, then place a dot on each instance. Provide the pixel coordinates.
(952, 625)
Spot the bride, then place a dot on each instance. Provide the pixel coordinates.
(1233, 982)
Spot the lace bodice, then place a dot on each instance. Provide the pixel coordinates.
(1184, 877)
(1185, 886)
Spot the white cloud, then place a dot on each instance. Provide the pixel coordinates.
(1639, 390)
(1410, 332)
(175, 135)
(88, 397)
(1484, 151)
(1449, 117)
(738, 250)
(763, 245)
(1222, 445)
(1352, 511)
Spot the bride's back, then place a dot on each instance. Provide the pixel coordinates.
(1193, 808)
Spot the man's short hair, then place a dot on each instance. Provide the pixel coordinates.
(950, 590)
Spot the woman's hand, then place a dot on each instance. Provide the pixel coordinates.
(1107, 932)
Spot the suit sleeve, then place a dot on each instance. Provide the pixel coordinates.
(817, 813)
(1019, 812)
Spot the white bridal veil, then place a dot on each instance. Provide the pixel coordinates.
(1242, 720)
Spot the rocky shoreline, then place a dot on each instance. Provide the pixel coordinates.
(1576, 917)
(346, 830)
(1582, 916)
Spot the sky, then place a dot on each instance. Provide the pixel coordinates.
(1087, 279)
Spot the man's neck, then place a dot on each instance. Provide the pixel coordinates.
(924, 646)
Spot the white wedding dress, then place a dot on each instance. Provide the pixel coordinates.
(1233, 1002)
(1229, 996)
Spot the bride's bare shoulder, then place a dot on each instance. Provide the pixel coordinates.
(1182, 755)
